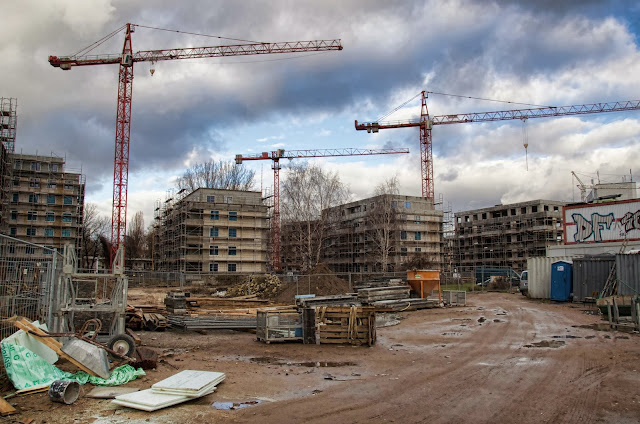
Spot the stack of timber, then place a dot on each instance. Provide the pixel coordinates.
(378, 283)
(335, 300)
(401, 305)
(145, 318)
(355, 325)
(224, 302)
(371, 295)
(218, 321)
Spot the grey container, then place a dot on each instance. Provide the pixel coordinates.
(628, 274)
(590, 275)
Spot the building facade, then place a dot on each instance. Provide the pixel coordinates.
(46, 202)
(211, 230)
(506, 235)
(414, 228)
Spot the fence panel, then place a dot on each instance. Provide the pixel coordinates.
(27, 274)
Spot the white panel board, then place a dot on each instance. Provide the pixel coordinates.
(189, 382)
(148, 400)
(602, 222)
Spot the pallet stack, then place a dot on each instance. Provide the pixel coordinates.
(355, 325)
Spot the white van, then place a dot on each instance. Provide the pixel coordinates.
(524, 282)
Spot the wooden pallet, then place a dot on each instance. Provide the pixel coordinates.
(354, 325)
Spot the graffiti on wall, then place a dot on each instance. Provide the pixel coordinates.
(602, 223)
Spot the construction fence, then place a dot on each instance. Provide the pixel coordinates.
(27, 275)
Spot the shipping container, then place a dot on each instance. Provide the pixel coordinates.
(628, 274)
(589, 276)
(540, 276)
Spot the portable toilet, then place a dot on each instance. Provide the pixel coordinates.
(561, 280)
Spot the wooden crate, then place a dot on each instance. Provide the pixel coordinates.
(354, 325)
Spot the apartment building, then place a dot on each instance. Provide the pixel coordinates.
(506, 235)
(415, 228)
(211, 230)
(46, 202)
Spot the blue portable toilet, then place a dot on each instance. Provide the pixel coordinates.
(561, 280)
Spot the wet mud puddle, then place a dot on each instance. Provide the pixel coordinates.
(310, 364)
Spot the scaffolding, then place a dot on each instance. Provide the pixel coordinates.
(211, 230)
(8, 121)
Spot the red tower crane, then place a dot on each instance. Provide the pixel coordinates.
(276, 155)
(426, 123)
(123, 114)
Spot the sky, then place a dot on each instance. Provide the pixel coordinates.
(544, 53)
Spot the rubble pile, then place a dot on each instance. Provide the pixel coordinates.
(262, 286)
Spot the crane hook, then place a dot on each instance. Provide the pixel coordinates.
(152, 70)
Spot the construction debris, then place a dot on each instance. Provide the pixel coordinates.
(263, 286)
(176, 302)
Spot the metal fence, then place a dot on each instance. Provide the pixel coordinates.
(27, 274)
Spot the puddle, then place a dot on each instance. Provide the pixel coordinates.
(598, 326)
(235, 405)
(547, 343)
(451, 334)
(482, 319)
(590, 337)
(496, 320)
(311, 364)
(622, 338)
(568, 336)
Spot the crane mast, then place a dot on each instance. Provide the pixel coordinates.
(426, 124)
(126, 61)
(276, 155)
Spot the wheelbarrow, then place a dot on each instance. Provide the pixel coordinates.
(81, 349)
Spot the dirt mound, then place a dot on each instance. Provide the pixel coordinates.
(319, 281)
(263, 286)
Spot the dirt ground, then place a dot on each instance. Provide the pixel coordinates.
(501, 359)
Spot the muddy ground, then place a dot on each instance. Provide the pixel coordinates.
(501, 359)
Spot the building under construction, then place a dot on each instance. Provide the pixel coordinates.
(211, 230)
(415, 234)
(8, 120)
(46, 204)
(506, 235)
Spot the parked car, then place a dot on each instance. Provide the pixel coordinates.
(524, 282)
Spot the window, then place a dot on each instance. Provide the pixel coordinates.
(49, 217)
(48, 232)
(33, 198)
(228, 199)
(66, 217)
(394, 204)
(403, 251)
(213, 232)
(14, 215)
(233, 232)
(403, 235)
(16, 182)
(233, 216)
(66, 233)
(68, 186)
(51, 199)
(213, 251)
(29, 250)
(68, 200)
(15, 198)
(232, 251)
(32, 216)
(534, 209)
(231, 267)
(417, 219)
(215, 215)
(13, 231)
(17, 164)
(47, 250)
(417, 235)
(34, 182)
(55, 167)
(213, 267)
(211, 199)
(356, 239)
(31, 231)
(418, 249)
(35, 166)
(52, 184)
(523, 210)
(407, 205)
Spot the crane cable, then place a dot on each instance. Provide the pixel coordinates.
(92, 46)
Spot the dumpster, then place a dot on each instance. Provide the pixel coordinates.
(424, 282)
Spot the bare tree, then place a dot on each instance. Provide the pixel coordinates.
(305, 193)
(136, 242)
(382, 221)
(94, 227)
(216, 174)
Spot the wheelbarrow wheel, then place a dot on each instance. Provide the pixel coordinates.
(123, 344)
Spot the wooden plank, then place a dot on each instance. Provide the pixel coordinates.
(6, 408)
